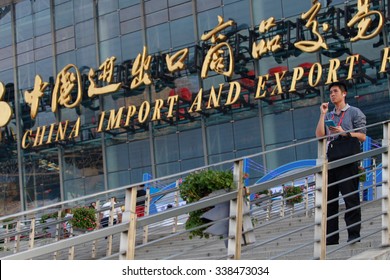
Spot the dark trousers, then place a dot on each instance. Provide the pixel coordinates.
(353, 200)
(104, 222)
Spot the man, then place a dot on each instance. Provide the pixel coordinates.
(117, 215)
(345, 117)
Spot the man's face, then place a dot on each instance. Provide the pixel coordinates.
(336, 94)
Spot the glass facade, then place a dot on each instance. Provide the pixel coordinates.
(40, 38)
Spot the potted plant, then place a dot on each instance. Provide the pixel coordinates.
(199, 185)
(83, 218)
(293, 194)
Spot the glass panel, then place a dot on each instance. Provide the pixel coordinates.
(83, 10)
(166, 148)
(166, 169)
(278, 128)
(24, 29)
(180, 30)
(208, 20)
(139, 154)
(190, 143)
(262, 10)
(158, 38)
(117, 157)
(239, 12)
(86, 57)
(130, 13)
(281, 157)
(5, 35)
(128, 3)
(85, 33)
(64, 15)
(44, 40)
(110, 48)
(40, 5)
(180, 11)
(42, 179)
(118, 179)
(94, 184)
(108, 26)
(155, 5)
(42, 23)
(26, 74)
(176, 2)
(131, 45)
(45, 68)
(192, 163)
(295, 10)
(23, 9)
(157, 18)
(220, 138)
(247, 133)
(304, 127)
(131, 26)
(203, 5)
(107, 6)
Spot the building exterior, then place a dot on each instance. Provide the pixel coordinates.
(96, 93)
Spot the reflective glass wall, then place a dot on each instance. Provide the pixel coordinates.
(68, 152)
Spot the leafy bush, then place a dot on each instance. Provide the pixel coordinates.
(83, 218)
(198, 185)
(289, 191)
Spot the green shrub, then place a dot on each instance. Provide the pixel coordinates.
(83, 218)
(199, 185)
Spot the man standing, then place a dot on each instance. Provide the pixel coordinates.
(117, 213)
(345, 117)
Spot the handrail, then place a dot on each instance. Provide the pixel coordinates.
(232, 197)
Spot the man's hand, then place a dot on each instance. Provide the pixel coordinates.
(336, 129)
(324, 108)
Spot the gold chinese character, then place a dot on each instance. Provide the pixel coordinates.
(33, 97)
(265, 46)
(139, 71)
(176, 61)
(65, 83)
(5, 109)
(215, 59)
(364, 21)
(312, 46)
(107, 68)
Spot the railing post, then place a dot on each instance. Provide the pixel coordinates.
(146, 213)
(176, 201)
(17, 237)
(235, 224)
(31, 236)
(386, 187)
(320, 212)
(127, 239)
(240, 218)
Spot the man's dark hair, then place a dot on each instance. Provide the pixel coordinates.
(341, 85)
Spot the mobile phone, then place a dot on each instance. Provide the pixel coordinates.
(330, 123)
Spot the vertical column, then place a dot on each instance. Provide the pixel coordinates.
(320, 213)
(127, 239)
(386, 187)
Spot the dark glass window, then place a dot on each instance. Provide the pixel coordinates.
(85, 33)
(220, 138)
(247, 133)
(117, 157)
(139, 154)
(63, 15)
(166, 148)
(182, 32)
(191, 144)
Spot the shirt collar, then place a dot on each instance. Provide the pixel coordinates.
(346, 107)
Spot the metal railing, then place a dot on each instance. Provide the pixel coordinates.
(261, 227)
